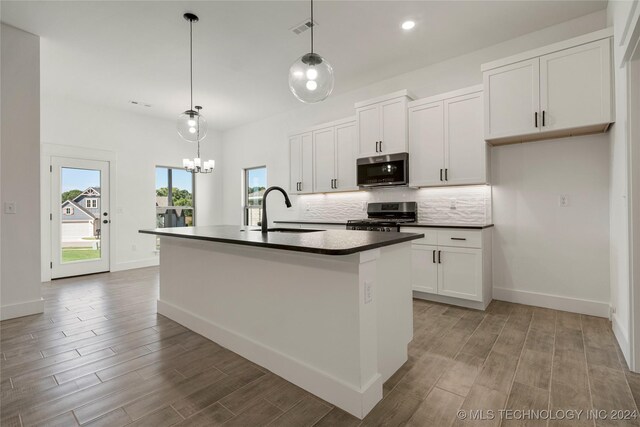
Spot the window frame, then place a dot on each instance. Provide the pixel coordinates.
(245, 192)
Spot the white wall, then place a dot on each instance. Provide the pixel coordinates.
(618, 14)
(539, 248)
(265, 142)
(19, 175)
(139, 142)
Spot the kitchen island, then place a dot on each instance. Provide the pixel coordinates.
(330, 311)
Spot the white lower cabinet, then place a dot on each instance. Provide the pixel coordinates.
(424, 277)
(460, 273)
(455, 271)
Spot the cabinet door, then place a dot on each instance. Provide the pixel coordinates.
(424, 268)
(465, 148)
(346, 155)
(324, 160)
(393, 132)
(368, 125)
(306, 184)
(512, 99)
(426, 144)
(575, 86)
(460, 273)
(295, 163)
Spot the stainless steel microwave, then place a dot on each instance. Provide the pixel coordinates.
(380, 171)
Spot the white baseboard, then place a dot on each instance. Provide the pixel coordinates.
(478, 305)
(26, 308)
(141, 263)
(357, 402)
(556, 302)
(622, 335)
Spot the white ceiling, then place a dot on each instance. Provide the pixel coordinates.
(111, 52)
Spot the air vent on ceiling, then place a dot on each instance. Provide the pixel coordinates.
(303, 26)
(141, 104)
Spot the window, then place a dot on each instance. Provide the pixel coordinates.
(255, 182)
(174, 197)
(91, 203)
(68, 211)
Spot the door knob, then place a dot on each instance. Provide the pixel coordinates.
(105, 221)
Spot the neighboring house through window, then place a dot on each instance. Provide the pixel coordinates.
(255, 183)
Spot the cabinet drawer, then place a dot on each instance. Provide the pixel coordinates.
(460, 238)
(430, 235)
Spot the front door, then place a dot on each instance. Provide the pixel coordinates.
(80, 217)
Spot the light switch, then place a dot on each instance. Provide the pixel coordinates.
(10, 207)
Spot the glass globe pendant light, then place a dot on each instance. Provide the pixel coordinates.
(191, 125)
(311, 76)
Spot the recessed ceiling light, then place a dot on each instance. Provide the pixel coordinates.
(407, 25)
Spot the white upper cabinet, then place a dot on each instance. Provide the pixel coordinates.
(559, 90)
(381, 124)
(346, 155)
(301, 163)
(324, 157)
(446, 143)
(512, 99)
(368, 123)
(334, 157)
(570, 99)
(426, 144)
(465, 151)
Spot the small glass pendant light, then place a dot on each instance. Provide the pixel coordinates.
(191, 125)
(311, 76)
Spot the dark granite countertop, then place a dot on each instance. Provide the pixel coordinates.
(413, 224)
(326, 242)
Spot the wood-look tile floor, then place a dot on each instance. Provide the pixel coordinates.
(101, 356)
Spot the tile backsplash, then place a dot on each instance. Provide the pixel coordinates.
(444, 205)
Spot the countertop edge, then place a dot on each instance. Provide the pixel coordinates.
(280, 246)
(467, 226)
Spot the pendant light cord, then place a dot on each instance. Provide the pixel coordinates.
(313, 24)
(191, 59)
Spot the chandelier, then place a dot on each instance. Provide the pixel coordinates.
(197, 165)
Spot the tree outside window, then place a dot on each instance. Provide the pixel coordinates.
(255, 183)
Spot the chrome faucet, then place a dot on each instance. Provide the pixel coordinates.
(265, 223)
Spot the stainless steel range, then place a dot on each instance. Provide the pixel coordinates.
(385, 216)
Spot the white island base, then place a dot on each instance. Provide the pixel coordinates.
(336, 326)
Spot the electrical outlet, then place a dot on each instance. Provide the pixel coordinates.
(368, 292)
(134, 248)
(364, 206)
(453, 204)
(10, 208)
(308, 207)
(563, 200)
